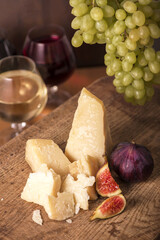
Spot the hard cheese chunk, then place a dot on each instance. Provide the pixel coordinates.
(39, 151)
(79, 188)
(60, 207)
(90, 133)
(86, 165)
(39, 184)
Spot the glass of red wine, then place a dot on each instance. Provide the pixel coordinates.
(50, 49)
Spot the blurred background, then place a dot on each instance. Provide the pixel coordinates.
(17, 17)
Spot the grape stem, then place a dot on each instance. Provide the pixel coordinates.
(93, 3)
(118, 4)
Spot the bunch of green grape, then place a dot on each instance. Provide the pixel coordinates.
(128, 28)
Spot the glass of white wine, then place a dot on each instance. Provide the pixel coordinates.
(23, 94)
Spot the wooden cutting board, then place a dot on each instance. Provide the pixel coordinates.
(141, 218)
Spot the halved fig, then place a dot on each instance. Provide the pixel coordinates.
(110, 207)
(106, 186)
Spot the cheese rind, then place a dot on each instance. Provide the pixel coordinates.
(78, 188)
(40, 184)
(39, 151)
(60, 207)
(90, 133)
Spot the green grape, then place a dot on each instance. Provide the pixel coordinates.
(141, 101)
(74, 3)
(127, 79)
(77, 40)
(100, 38)
(137, 73)
(80, 10)
(144, 32)
(87, 37)
(119, 27)
(101, 25)
(108, 40)
(117, 82)
(122, 49)
(120, 14)
(156, 79)
(76, 23)
(127, 99)
(158, 56)
(109, 71)
(134, 35)
(154, 31)
(101, 3)
(108, 11)
(142, 60)
(139, 94)
(110, 48)
(145, 41)
(154, 66)
(138, 18)
(92, 30)
(149, 54)
(150, 43)
(149, 91)
(144, 2)
(148, 75)
(119, 75)
(126, 66)
(111, 20)
(156, 15)
(116, 65)
(129, 91)
(138, 84)
(120, 89)
(129, 22)
(131, 45)
(96, 13)
(87, 23)
(130, 7)
(108, 58)
(117, 39)
(131, 57)
(147, 10)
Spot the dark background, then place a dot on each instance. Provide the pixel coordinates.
(18, 16)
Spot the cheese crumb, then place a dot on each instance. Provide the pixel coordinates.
(69, 220)
(2, 199)
(36, 217)
(77, 208)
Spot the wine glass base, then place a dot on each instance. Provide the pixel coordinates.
(57, 96)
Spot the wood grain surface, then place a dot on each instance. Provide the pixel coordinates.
(141, 217)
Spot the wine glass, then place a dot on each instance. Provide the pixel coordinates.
(6, 48)
(49, 47)
(23, 94)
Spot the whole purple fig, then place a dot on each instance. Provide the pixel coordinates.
(132, 162)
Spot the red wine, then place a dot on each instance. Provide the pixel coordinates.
(53, 56)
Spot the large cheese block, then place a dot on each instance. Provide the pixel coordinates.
(60, 207)
(78, 188)
(90, 133)
(40, 184)
(39, 151)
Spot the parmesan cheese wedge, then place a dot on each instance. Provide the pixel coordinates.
(39, 151)
(60, 207)
(90, 133)
(78, 188)
(39, 184)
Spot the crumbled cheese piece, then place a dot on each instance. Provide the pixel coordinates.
(77, 208)
(2, 199)
(69, 220)
(36, 217)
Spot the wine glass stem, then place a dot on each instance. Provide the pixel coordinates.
(18, 127)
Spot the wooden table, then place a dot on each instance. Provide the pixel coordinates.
(141, 217)
(82, 77)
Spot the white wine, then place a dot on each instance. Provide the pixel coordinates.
(23, 95)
